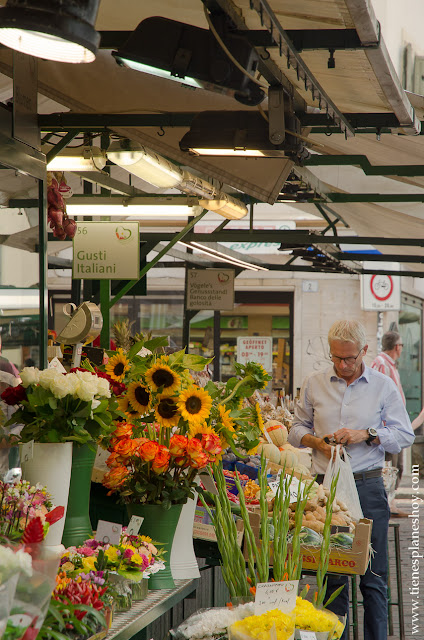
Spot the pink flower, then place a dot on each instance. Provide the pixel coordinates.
(86, 551)
(128, 554)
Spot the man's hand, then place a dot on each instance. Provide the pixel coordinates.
(309, 440)
(350, 436)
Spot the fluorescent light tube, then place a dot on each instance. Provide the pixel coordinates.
(224, 255)
(226, 206)
(221, 257)
(246, 153)
(144, 164)
(87, 159)
(134, 210)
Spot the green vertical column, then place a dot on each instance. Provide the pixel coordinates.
(42, 268)
(105, 309)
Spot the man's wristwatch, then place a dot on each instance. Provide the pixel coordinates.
(372, 434)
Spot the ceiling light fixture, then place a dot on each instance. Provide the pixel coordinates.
(77, 159)
(224, 255)
(197, 186)
(144, 164)
(241, 133)
(226, 206)
(192, 56)
(162, 212)
(53, 30)
(221, 257)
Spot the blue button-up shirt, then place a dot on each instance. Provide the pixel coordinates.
(327, 404)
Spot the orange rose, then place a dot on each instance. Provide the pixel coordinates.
(178, 445)
(201, 461)
(124, 447)
(194, 448)
(211, 444)
(148, 450)
(115, 477)
(161, 461)
(123, 430)
(114, 460)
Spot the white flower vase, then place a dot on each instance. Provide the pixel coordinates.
(183, 561)
(51, 467)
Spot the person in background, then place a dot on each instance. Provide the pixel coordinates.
(7, 379)
(364, 411)
(6, 365)
(386, 362)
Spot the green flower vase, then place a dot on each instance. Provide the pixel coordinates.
(160, 524)
(77, 524)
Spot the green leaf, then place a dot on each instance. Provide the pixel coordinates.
(135, 349)
(194, 362)
(154, 343)
(53, 435)
(53, 403)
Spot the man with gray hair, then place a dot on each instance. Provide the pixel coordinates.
(386, 362)
(363, 410)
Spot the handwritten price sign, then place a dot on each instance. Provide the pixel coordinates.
(276, 595)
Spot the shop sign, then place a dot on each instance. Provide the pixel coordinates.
(380, 292)
(255, 349)
(106, 251)
(210, 289)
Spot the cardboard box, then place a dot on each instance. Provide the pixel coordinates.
(353, 561)
(204, 529)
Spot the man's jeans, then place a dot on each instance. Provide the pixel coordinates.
(373, 584)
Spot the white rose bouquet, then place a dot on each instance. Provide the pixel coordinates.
(56, 407)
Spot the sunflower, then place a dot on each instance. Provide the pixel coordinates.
(259, 417)
(201, 429)
(139, 397)
(224, 418)
(117, 366)
(125, 406)
(160, 375)
(166, 411)
(194, 404)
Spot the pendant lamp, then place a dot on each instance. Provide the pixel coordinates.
(59, 30)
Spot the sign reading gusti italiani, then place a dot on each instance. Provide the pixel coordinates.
(106, 251)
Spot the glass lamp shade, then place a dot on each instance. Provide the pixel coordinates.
(53, 30)
(144, 164)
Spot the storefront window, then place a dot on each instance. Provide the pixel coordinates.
(410, 362)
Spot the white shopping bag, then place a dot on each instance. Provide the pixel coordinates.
(346, 487)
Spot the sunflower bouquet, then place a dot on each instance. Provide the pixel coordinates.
(172, 428)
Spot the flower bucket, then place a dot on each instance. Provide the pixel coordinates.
(183, 560)
(160, 524)
(77, 523)
(51, 466)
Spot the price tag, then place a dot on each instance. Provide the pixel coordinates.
(209, 483)
(27, 451)
(307, 635)
(100, 461)
(295, 488)
(55, 363)
(108, 532)
(134, 525)
(276, 595)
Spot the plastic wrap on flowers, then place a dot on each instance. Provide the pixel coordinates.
(33, 593)
(272, 625)
(325, 623)
(12, 563)
(211, 623)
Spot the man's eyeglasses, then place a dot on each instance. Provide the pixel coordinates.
(349, 360)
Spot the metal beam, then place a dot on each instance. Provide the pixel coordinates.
(270, 21)
(147, 267)
(358, 121)
(377, 257)
(61, 145)
(98, 177)
(410, 170)
(336, 197)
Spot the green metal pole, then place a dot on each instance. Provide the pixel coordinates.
(105, 306)
(42, 268)
(156, 259)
